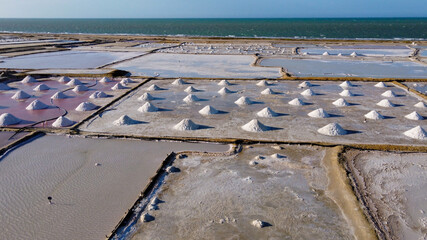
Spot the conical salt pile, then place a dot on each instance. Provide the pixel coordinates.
(341, 103)
(126, 81)
(148, 107)
(305, 84)
(296, 102)
(277, 156)
(224, 91)
(325, 54)
(385, 103)
(332, 129)
(268, 91)
(36, 105)
(267, 112)
(59, 95)
(388, 93)
(243, 101)
(224, 83)
(262, 83)
(41, 87)
(125, 120)
(339, 55)
(179, 81)
(7, 119)
(28, 79)
(417, 133)
(4, 87)
(318, 113)
(98, 94)
(105, 80)
(308, 92)
(255, 126)
(63, 122)
(374, 115)
(346, 84)
(80, 88)
(118, 86)
(185, 125)
(420, 105)
(64, 79)
(346, 93)
(146, 97)
(380, 85)
(191, 98)
(20, 95)
(354, 54)
(86, 106)
(208, 110)
(414, 116)
(191, 89)
(153, 87)
(74, 82)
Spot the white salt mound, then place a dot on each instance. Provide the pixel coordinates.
(62, 122)
(267, 112)
(224, 91)
(208, 110)
(191, 89)
(36, 105)
(346, 84)
(105, 80)
(59, 95)
(146, 97)
(380, 85)
(124, 120)
(305, 84)
(80, 88)
(179, 81)
(296, 102)
(126, 81)
(224, 83)
(262, 83)
(98, 94)
(155, 201)
(146, 217)
(277, 155)
(74, 82)
(308, 92)
(385, 103)
(346, 93)
(255, 126)
(374, 115)
(64, 79)
(417, 133)
(332, 129)
(341, 103)
(118, 86)
(148, 107)
(86, 106)
(258, 223)
(21, 95)
(28, 79)
(4, 87)
(325, 54)
(268, 91)
(388, 93)
(153, 87)
(191, 98)
(354, 54)
(414, 116)
(41, 87)
(318, 113)
(243, 101)
(7, 119)
(186, 125)
(420, 105)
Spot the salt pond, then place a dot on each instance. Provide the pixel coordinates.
(360, 51)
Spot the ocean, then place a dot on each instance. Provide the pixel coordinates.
(331, 28)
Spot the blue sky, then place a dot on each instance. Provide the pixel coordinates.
(210, 8)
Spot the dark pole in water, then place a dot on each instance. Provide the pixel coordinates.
(49, 199)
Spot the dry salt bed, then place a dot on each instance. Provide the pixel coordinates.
(235, 49)
(245, 106)
(221, 197)
(393, 187)
(55, 97)
(371, 52)
(92, 182)
(346, 68)
(204, 66)
(65, 59)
